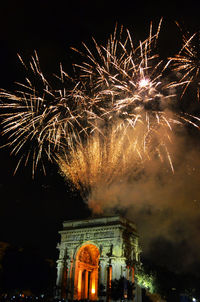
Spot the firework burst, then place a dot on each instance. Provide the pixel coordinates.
(121, 71)
(38, 119)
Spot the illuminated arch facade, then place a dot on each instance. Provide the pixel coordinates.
(93, 253)
(86, 272)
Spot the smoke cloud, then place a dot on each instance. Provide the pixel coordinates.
(164, 205)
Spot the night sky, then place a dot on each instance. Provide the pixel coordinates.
(32, 210)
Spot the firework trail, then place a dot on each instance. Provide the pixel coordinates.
(107, 124)
(187, 62)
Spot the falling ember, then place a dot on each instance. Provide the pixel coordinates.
(117, 156)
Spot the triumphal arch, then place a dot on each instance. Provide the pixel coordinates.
(98, 258)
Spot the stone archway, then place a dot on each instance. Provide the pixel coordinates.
(95, 252)
(86, 272)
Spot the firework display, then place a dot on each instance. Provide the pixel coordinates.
(104, 124)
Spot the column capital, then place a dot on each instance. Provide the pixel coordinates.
(104, 260)
(60, 262)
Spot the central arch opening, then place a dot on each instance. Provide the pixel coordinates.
(86, 273)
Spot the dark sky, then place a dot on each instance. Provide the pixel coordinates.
(31, 211)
